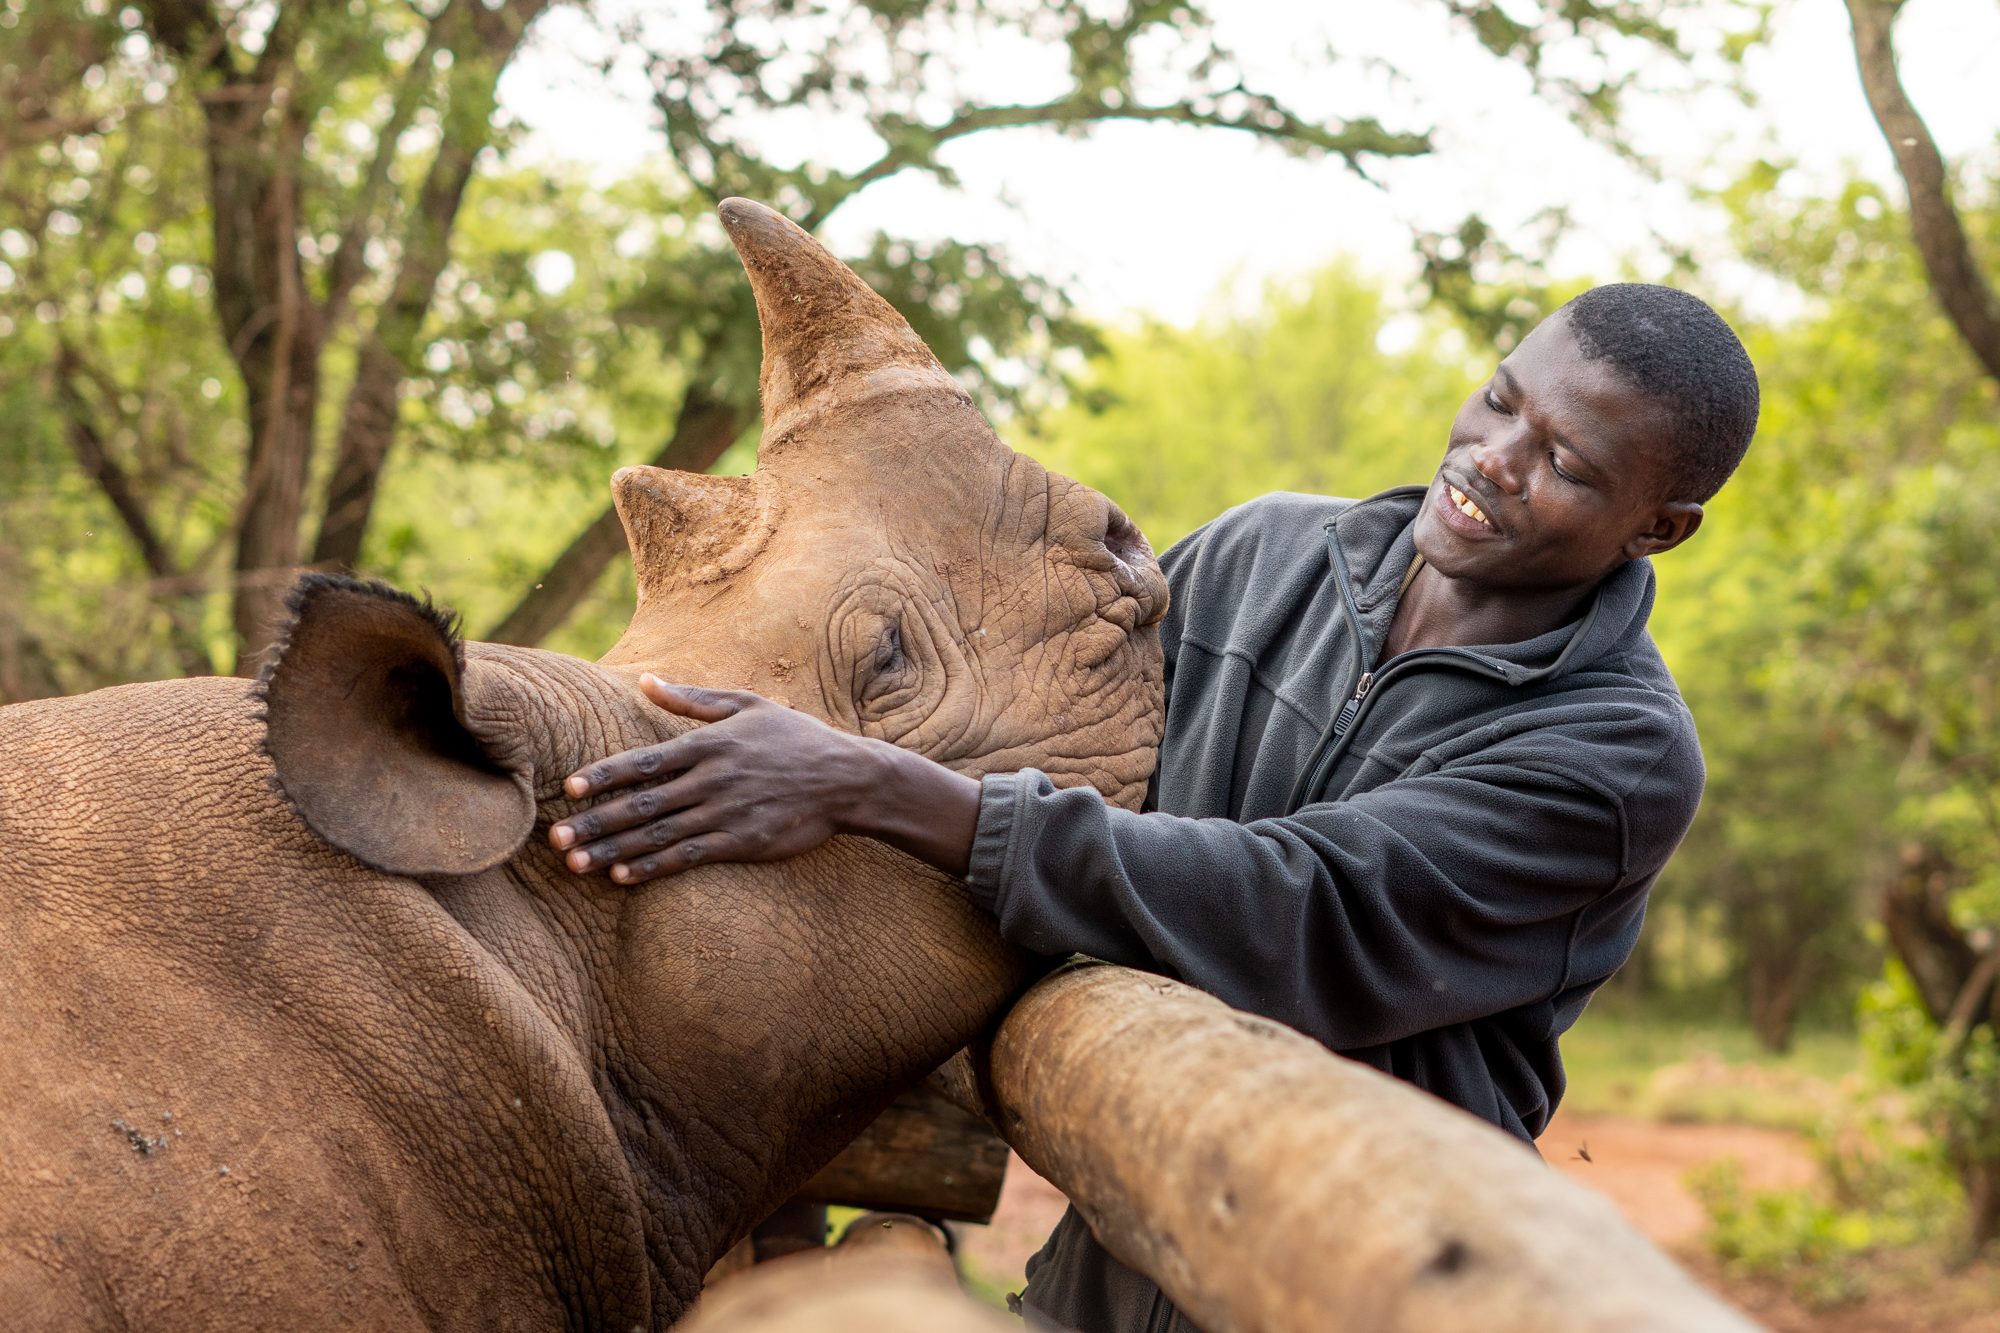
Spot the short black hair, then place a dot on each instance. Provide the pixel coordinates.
(1675, 349)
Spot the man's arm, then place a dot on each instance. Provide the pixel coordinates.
(1426, 902)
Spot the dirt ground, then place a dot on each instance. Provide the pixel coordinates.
(1641, 1165)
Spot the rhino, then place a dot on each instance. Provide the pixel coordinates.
(305, 1024)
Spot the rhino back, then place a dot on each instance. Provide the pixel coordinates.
(255, 1082)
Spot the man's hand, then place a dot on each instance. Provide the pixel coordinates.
(759, 783)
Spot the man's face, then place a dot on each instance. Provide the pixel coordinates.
(1565, 467)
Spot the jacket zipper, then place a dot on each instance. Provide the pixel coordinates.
(1364, 679)
(1353, 705)
(1376, 682)
(1332, 742)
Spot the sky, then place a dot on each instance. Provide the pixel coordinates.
(1168, 222)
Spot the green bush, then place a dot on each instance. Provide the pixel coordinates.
(1786, 1234)
(1883, 1187)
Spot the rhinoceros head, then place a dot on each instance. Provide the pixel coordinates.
(891, 565)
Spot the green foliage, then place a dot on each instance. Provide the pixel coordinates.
(1783, 1233)
(1300, 395)
(160, 163)
(1827, 622)
(1787, 1234)
(1953, 1078)
(1870, 758)
(1882, 1188)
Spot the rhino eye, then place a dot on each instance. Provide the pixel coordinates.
(884, 669)
(888, 650)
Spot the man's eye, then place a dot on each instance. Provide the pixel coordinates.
(1495, 403)
(1559, 470)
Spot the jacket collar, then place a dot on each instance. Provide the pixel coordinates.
(1377, 544)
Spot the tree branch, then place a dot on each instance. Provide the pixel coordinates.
(281, 42)
(1918, 922)
(87, 442)
(1350, 142)
(1972, 1002)
(348, 258)
(188, 28)
(1955, 278)
(92, 454)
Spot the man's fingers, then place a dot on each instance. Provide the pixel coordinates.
(645, 764)
(624, 812)
(691, 851)
(655, 761)
(703, 705)
(658, 835)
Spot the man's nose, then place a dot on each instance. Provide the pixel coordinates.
(1501, 458)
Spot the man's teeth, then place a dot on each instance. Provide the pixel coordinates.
(1465, 505)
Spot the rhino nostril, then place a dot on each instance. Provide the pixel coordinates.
(1137, 574)
(1123, 538)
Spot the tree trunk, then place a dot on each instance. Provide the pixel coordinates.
(1916, 919)
(272, 330)
(1777, 984)
(1955, 278)
(704, 428)
(25, 669)
(1981, 1179)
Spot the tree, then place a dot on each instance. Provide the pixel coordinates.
(1877, 448)
(1909, 673)
(306, 223)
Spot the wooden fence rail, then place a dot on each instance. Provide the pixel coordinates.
(1271, 1187)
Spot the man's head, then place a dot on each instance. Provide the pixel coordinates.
(1596, 442)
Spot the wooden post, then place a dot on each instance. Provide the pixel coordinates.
(888, 1275)
(1272, 1187)
(924, 1155)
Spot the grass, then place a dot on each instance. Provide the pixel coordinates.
(1622, 1061)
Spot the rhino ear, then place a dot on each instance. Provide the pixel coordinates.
(365, 723)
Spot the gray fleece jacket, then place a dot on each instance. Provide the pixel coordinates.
(1427, 863)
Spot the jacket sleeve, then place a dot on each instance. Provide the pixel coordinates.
(1428, 901)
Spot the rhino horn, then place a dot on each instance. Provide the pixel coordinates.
(828, 337)
(688, 528)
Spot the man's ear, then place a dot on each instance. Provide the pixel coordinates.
(1673, 523)
(364, 717)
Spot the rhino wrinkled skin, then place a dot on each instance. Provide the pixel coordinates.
(303, 1023)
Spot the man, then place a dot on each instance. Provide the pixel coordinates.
(1422, 761)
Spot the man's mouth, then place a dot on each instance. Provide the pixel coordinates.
(1466, 505)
